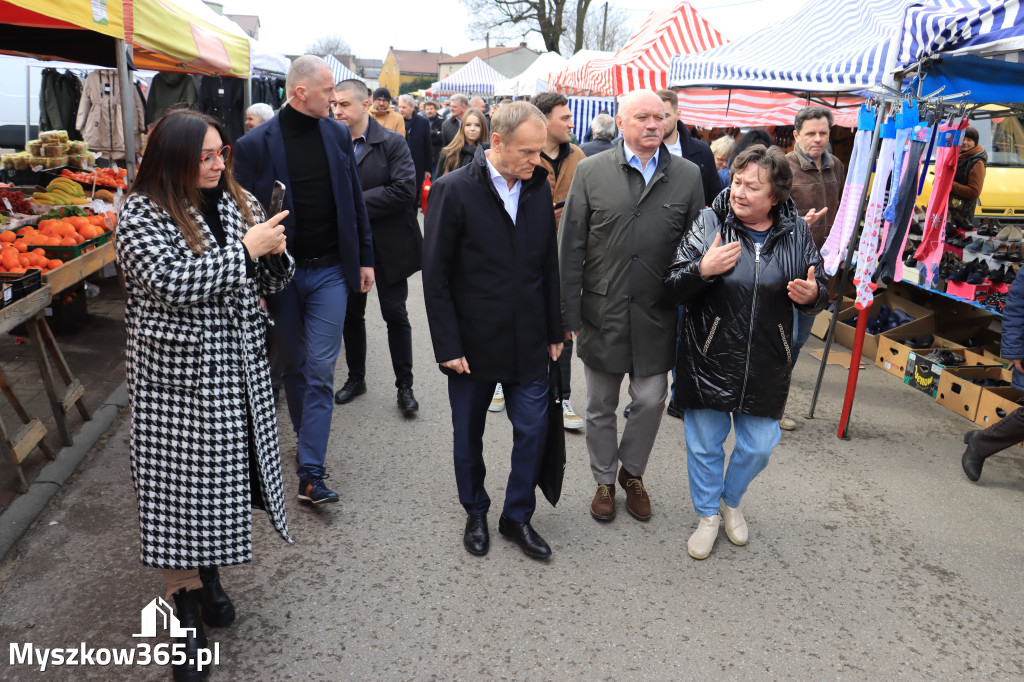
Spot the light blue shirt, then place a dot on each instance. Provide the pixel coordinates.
(509, 196)
(633, 160)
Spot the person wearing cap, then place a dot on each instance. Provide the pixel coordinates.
(384, 114)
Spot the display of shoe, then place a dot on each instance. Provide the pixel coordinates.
(407, 401)
(956, 243)
(974, 245)
(497, 400)
(1016, 234)
(1004, 234)
(988, 247)
(946, 358)
(787, 424)
(638, 503)
(998, 275)
(735, 524)
(570, 420)
(702, 541)
(314, 490)
(348, 392)
(923, 341)
(602, 507)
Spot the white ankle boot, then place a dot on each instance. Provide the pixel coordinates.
(735, 524)
(703, 539)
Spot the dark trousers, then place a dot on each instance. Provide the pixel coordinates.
(1004, 433)
(392, 308)
(526, 407)
(565, 368)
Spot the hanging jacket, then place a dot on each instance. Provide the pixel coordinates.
(99, 114)
(224, 99)
(59, 97)
(967, 184)
(735, 350)
(170, 91)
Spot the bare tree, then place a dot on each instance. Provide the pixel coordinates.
(332, 44)
(546, 17)
(606, 34)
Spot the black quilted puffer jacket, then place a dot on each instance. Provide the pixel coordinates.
(735, 348)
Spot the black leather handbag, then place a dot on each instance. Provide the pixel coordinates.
(551, 471)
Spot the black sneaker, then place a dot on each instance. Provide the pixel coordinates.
(313, 490)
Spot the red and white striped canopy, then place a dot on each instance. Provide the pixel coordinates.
(643, 61)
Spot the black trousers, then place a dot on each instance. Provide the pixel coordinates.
(392, 308)
(1004, 433)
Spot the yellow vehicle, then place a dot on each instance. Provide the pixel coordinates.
(1002, 195)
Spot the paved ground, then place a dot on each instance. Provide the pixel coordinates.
(872, 558)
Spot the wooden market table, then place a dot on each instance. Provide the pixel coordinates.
(74, 271)
(30, 312)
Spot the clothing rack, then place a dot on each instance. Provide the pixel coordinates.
(883, 98)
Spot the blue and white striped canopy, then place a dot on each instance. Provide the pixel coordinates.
(826, 46)
(993, 29)
(475, 78)
(340, 71)
(584, 109)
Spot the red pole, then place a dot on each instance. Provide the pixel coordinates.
(851, 381)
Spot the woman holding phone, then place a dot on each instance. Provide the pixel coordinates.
(204, 446)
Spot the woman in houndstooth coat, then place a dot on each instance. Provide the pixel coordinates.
(204, 442)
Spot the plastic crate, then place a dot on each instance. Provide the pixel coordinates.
(66, 253)
(17, 286)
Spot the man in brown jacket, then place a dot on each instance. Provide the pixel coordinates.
(560, 157)
(818, 180)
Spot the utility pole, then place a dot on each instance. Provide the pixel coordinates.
(604, 27)
(487, 51)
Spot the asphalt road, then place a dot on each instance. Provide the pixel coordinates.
(869, 558)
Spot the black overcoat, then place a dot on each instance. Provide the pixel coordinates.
(491, 286)
(388, 179)
(417, 136)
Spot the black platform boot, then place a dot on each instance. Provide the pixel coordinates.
(186, 608)
(218, 611)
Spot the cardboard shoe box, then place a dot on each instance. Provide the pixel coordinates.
(893, 352)
(845, 333)
(959, 394)
(823, 319)
(924, 374)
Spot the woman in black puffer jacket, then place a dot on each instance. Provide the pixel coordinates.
(743, 265)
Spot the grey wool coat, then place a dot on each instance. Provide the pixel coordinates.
(197, 376)
(617, 238)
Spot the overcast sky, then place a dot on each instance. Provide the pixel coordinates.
(288, 26)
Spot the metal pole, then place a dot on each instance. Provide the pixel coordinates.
(848, 263)
(28, 104)
(127, 108)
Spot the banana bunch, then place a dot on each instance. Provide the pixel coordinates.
(60, 192)
(104, 194)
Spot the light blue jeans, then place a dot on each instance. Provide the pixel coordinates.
(801, 331)
(705, 433)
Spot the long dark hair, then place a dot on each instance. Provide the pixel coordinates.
(453, 152)
(169, 174)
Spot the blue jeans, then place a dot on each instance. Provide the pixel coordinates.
(309, 316)
(705, 433)
(801, 331)
(526, 406)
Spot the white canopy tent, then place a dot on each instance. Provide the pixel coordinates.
(534, 79)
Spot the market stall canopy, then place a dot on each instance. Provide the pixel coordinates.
(166, 35)
(339, 70)
(643, 61)
(975, 46)
(752, 108)
(572, 79)
(827, 46)
(534, 79)
(475, 78)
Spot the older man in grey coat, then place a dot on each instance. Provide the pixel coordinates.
(626, 212)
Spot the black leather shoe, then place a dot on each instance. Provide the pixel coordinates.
(350, 390)
(525, 536)
(186, 608)
(972, 460)
(218, 611)
(476, 538)
(407, 401)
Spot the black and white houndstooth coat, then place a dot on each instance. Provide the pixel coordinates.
(196, 361)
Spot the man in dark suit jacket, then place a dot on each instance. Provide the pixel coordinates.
(328, 234)
(387, 174)
(417, 136)
(459, 106)
(490, 282)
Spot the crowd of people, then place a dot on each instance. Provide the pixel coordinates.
(648, 251)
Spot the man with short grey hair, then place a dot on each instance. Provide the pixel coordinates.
(458, 105)
(417, 136)
(603, 130)
(625, 214)
(493, 313)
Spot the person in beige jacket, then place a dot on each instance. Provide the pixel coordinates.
(99, 115)
(384, 114)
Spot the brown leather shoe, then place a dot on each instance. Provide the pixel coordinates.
(638, 504)
(603, 506)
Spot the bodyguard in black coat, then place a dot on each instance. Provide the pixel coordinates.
(388, 176)
(490, 282)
